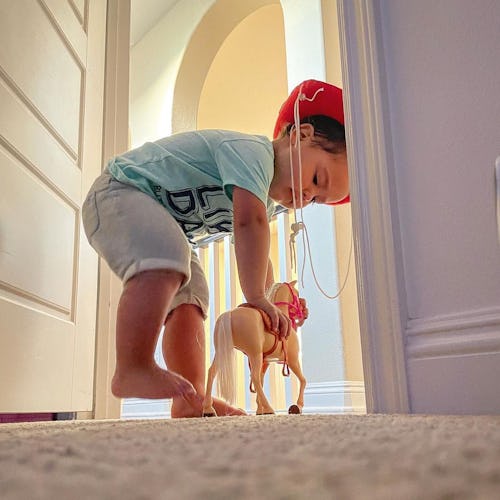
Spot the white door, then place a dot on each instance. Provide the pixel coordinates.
(51, 97)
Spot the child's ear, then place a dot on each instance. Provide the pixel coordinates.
(306, 131)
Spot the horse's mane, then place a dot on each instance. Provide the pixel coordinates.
(271, 291)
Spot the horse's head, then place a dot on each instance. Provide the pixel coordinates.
(285, 294)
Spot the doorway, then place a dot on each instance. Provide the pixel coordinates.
(219, 82)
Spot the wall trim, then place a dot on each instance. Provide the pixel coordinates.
(115, 140)
(134, 408)
(343, 396)
(334, 410)
(335, 387)
(464, 320)
(464, 333)
(381, 290)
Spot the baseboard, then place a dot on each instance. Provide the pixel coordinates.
(145, 408)
(335, 397)
(453, 363)
(464, 384)
(321, 397)
(334, 410)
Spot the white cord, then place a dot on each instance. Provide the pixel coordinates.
(314, 273)
(299, 225)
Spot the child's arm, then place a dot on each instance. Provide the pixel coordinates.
(270, 275)
(251, 244)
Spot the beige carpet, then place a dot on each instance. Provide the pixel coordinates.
(270, 457)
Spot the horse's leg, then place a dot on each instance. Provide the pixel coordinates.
(208, 409)
(265, 366)
(256, 374)
(249, 337)
(293, 363)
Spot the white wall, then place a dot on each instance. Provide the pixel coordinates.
(155, 62)
(246, 83)
(443, 88)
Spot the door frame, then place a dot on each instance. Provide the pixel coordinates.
(115, 140)
(381, 287)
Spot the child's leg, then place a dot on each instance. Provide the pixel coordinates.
(146, 248)
(184, 353)
(141, 313)
(184, 344)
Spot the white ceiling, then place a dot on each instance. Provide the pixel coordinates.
(145, 14)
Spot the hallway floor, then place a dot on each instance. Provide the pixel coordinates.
(270, 457)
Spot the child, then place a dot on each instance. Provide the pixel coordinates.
(148, 205)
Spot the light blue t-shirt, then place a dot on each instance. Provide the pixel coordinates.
(192, 174)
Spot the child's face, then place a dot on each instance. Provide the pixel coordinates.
(325, 177)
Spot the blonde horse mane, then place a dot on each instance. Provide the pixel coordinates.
(271, 291)
(225, 358)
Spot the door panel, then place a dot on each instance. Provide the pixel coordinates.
(39, 61)
(42, 225)
(51, 97)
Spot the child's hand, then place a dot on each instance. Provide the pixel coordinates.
(280, 322)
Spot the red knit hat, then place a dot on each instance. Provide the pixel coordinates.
(327, 101)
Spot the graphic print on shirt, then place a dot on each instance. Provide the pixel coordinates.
(200, 210)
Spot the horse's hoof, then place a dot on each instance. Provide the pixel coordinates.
(294, 410)
(209, 414)
(266, 413)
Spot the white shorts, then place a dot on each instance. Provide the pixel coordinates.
(134, 233)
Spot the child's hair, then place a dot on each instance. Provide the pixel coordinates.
(330, 132)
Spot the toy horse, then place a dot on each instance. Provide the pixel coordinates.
(247, 329)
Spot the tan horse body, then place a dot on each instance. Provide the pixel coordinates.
(244, 329)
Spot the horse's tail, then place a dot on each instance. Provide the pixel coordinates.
(225, 358)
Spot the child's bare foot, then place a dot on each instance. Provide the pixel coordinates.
(224, 409)
(183, 409)
(152, 383)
